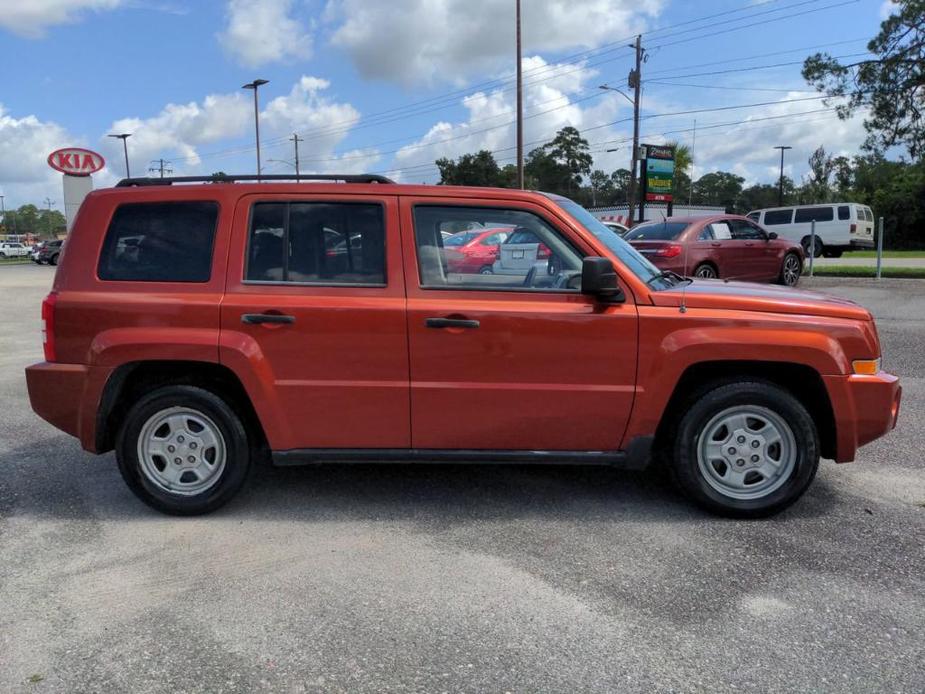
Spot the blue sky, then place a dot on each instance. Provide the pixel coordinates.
(390, 87)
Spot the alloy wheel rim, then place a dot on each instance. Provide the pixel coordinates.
(181, 451)
(746, 452)
(791, 270)
(705, 272)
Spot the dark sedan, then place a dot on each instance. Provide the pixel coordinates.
(719, 246)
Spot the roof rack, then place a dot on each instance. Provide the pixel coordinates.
(225, 178)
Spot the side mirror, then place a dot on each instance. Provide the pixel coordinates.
(772, 235)
(599, 279)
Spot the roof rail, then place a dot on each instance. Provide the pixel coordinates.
(225, 178)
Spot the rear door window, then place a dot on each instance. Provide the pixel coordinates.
(778, 217)
(814, 214)
(159, 242)
(325, 243)
(721, 231)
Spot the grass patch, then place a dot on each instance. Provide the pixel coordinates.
(864, 271)
(886, 254)
(15, 261)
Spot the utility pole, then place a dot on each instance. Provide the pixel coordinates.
(635, 81)
(160, 167)
(690, 192)
(124, 137)
(256, 84)
(520, 107)
(780, 185)
(295, 139)
(49, 202)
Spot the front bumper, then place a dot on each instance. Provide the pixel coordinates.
(865, 408)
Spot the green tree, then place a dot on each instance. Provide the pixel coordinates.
(602, 191)
(543, 172)
(570, 150)
(816, 186)
(891, 86)
(478, 169)
(719, 188)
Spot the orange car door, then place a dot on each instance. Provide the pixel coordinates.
(511, 361)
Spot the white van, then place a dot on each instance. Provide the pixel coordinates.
(840, 226)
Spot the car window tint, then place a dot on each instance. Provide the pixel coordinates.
(326, 243)
(778, 217)
(656, 231)
(159, 242)
(813, 214)
(706, 234)
(721, 230)
(844, 212)
(747, 231)
(533, 257)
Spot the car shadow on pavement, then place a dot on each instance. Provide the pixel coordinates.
(54, 478)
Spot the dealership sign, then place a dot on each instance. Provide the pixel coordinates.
(659, 177)
(75, 161)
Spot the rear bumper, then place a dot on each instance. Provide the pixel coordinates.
(67, 396)
(865, 408)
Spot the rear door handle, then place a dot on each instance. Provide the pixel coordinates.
(716, 245)
(257, 318)
(450, 323)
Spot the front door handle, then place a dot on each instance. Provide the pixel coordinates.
(258, 318)
(451, 323)
(716, 245)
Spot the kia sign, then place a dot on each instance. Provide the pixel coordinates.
(75, 161)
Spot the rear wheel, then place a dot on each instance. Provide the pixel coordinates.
(746, 450)
(182, 450)
(53, 260)
(790, 270)
(486, 270)
(705, 271)
(817, 249)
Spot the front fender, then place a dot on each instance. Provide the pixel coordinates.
(671, 342)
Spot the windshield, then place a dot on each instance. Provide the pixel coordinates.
(627, 255)
(656, 231)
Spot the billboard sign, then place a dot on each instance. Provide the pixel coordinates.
(75, 161)
(659, 168)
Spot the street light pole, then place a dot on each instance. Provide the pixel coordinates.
(255, 85)
(124, 137)
(520, 107)
(780, 185)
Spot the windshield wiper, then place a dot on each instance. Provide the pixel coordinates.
(668, 274)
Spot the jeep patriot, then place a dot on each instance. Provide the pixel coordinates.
(200, 329)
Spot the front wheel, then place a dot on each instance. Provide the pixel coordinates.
(812, 249)
(182, 450)
(790, 270)
(705, 271)
(746, 450)
(53, 260)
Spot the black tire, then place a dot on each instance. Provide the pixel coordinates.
(792, 264)
(53, 260)
(234, 438)
(819, 247)
(706, 271)
(486, 270)
(685, 441)
(2, 254)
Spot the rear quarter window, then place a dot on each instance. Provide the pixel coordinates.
(159, 242)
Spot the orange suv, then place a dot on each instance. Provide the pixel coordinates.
(199, 329)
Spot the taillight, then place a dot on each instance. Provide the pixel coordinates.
(542, 251)
(854, 228)
(48, 326)
(671, 250)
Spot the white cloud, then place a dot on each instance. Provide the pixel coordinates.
(181, 131)
(548, 106)
(31, 18)
(25, 144)
(411, 41)
(264, 32)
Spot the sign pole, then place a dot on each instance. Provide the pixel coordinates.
(880, 248)
(812, 245)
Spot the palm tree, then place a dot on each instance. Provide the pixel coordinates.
(682, 156)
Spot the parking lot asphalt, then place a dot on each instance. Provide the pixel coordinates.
(459, 578)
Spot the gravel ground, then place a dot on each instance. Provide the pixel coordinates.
(456, 578)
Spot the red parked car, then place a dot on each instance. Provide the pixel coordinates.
(724, 246)
(474, 251)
